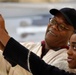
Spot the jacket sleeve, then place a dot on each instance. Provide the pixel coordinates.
(15, 53)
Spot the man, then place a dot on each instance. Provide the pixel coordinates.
(59, 30)
(53, 49)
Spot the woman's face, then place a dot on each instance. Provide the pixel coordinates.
(72, 52)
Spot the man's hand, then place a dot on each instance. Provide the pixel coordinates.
(2, 23)
(3, 33)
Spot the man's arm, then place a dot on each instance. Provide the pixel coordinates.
(4, 37)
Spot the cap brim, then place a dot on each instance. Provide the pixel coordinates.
(54, 11)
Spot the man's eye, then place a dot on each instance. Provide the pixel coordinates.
(54, 22)
(62, 26)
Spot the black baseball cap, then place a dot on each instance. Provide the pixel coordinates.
(68, 13)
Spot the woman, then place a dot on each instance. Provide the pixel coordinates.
(72, 52)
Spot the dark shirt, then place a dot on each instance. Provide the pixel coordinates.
(15, 53)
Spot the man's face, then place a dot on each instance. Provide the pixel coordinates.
(72, 52)
(58, 32)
